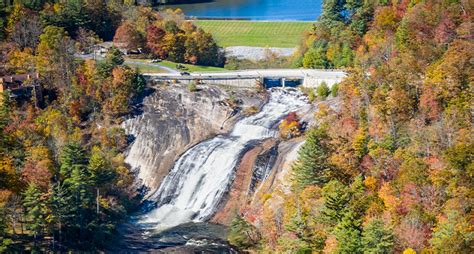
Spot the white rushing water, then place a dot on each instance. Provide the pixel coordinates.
(195, 185)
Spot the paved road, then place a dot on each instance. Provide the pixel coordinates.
(247, 74)
(127, 61)
(240, 74)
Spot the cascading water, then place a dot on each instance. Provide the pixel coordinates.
(200, 177)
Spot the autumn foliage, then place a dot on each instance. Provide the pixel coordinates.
(290, 127)
(391, 170)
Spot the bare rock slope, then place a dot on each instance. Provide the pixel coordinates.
(173, 120)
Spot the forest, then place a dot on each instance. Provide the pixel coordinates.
(63, 181)
(392, 170)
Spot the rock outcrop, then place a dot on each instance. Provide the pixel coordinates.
(174, 119)
(261, 170)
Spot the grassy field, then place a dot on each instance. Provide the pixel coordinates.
(145, 66)
(255, 33)
(192, 68)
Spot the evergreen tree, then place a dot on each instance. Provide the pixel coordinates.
(5, 241)
(242, 234)
(60, 207)
(4, 109)
(99, 167)
(5, 112)
(139, 83)
(72, 157)
(80, 201)
(36, 210)
(114, 57)
(323, 90)
(346, 56)
(348, 234)
(336, 200)
(77, 189)
(359, 199)
(376, 238)
(316, 57)
(332, 10)
(312, 166)
(334, 90)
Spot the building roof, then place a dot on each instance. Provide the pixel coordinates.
(18, 77)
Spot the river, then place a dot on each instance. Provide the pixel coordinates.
(190, 194)
(295, 10)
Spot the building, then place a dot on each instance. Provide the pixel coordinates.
(23, 87)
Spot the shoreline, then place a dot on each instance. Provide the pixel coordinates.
(195, 18)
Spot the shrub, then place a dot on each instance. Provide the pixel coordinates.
(242, 234)
(192, 86)
(323, 90)
(250, 110)
(311, 95)
(334, 90)
(290, 127)
(308, 92)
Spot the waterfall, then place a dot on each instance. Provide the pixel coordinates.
(195, 185)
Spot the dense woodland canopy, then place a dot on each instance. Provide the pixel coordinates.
(62, 170)
(167, 35)
(63, 180)
(392, 170)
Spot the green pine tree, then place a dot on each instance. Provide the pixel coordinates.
(348, 234)
(242, 234)
(334, 90)
(323, 90)
(78, 191)
(60, 209)
(78, 186)
(36, 210)
(5, 240)
(72, 156)
(114, 57)
(312, 166)
(4, 109)
(376, 238)
(316, 57)
(100, 169)
(336, 200)
(359, 199)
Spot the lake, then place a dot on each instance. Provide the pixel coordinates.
(254, 9)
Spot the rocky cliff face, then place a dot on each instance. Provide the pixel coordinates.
(174, 119)
(261, 170)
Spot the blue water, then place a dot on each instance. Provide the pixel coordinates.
(255, 9)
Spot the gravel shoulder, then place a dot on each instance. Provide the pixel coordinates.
(257, 53)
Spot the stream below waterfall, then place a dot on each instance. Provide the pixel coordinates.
(192, 191)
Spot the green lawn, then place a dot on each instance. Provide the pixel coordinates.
(146, 68)
(255, 33)
(150, 68)
(191, 68)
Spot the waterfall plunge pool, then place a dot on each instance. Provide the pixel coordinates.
(192, 191)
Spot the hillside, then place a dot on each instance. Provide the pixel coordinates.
(391, 171)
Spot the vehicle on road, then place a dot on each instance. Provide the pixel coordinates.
(180, 67)
(156, 60)
(185, 73)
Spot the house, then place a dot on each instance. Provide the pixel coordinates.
(22, 87)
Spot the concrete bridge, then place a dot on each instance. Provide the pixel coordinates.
(248, 78)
